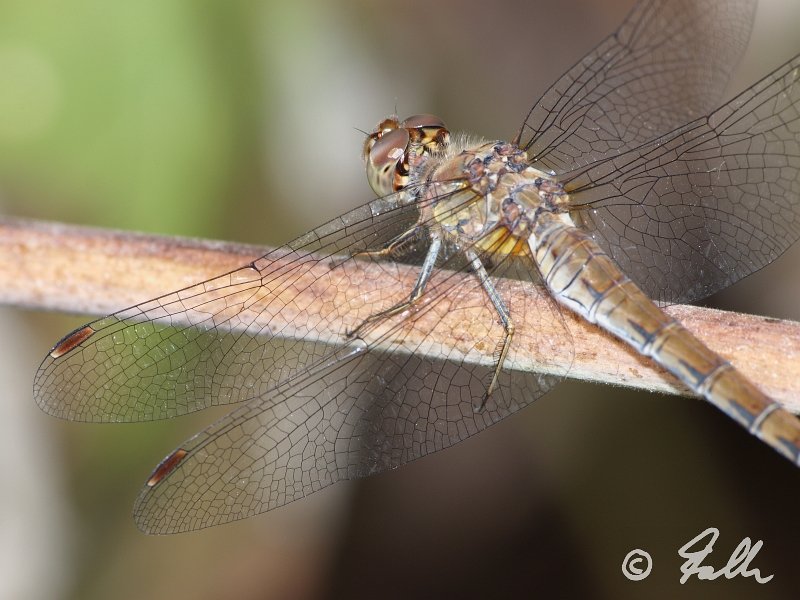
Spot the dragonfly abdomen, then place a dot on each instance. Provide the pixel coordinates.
(583, 277)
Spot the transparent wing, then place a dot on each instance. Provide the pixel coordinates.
(320, 406)
(358, 415)
(690, 214)
(667, 64)
(224, 340)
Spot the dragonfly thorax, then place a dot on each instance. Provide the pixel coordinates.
(499, 198)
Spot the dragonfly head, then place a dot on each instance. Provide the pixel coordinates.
(396, 147)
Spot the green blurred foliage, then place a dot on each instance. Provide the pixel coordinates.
(133, 113)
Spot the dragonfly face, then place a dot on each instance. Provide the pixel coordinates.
(394, 148)
(674, 198)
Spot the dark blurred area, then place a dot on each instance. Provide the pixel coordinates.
(240, 120)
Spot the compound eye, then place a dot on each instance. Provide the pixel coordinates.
(383, 155)
(423, 122)
(389, 148)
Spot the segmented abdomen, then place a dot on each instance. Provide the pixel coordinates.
(585, 279)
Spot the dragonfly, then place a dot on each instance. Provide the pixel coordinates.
(627, 187)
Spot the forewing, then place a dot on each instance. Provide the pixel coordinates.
(667, 64)
(228, 339)
(689, 214)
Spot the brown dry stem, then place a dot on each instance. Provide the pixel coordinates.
(72, 269)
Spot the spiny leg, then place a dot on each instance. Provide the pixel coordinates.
(419, 287)
(389, 249)
(505, 321)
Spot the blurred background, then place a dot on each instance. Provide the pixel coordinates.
(238, 121)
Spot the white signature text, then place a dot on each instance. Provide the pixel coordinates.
(738, 564)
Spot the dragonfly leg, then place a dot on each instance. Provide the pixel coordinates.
(387, 251)
(419, 287)
(505, 321)
(391, 247)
